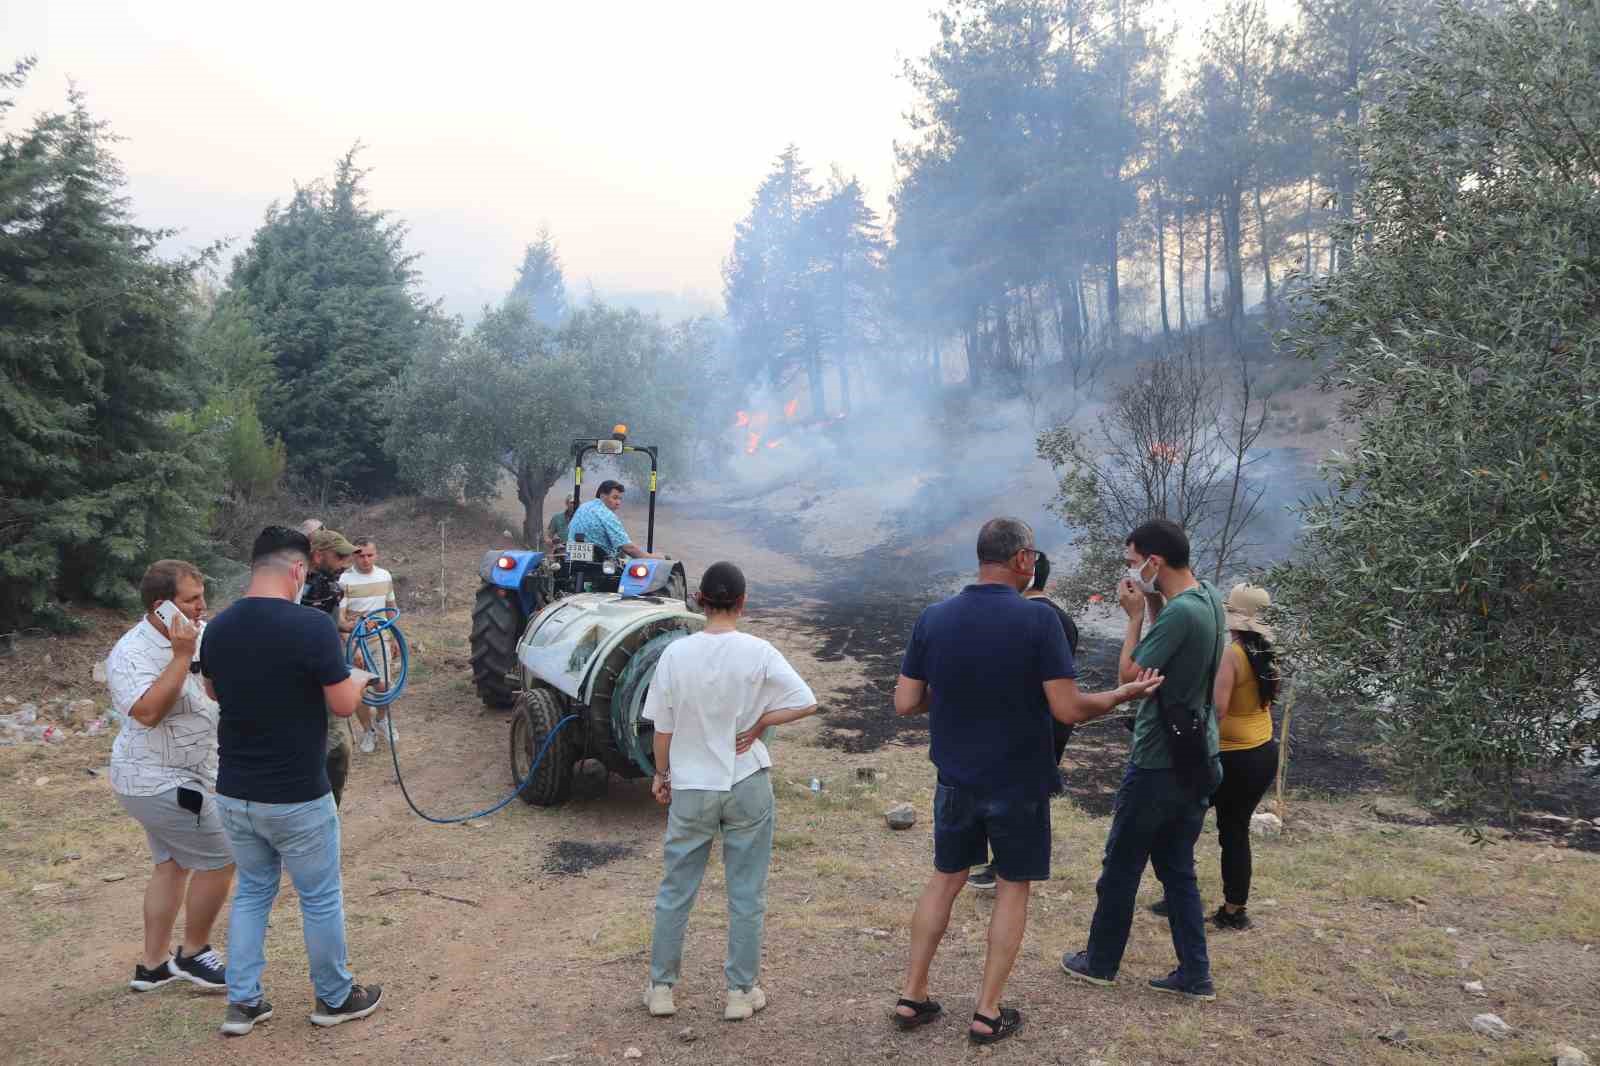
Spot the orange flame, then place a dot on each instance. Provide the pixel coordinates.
(741, 420)
(753, 443)
(774, 443)
(791, 407)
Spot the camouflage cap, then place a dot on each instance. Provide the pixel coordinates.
(331, 540)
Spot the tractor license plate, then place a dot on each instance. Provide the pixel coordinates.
(580, 552)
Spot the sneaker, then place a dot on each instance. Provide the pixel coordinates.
(1226, 919)
(362, 1001)
(369, 741)
(658, 1000)
(241, 1018)
(982, 878)
(1159, 907)
(742, 1005)
(144, 980)
(1076, 964)
(205, 968)
(1174, 984)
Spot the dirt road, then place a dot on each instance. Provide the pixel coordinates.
(522, 938)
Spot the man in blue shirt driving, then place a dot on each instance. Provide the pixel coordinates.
(598, 524)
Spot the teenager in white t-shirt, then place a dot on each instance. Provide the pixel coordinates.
(712, 696)
(369, 587)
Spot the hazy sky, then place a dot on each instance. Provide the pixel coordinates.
(637, 130)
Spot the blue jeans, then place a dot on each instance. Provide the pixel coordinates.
(1156, 821)
(305, 838)
(745, 818)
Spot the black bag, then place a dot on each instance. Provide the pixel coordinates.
(1185, 729)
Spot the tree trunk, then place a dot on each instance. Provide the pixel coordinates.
(1266, 256)
(1311, 261)
(1113, 288)
(819, 405)
(1161, 264)
(532, 486)
(1183, 289)
(844, 383)
(1206, 290)
(1232, 228)
(975, 349)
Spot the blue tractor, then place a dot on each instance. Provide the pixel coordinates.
(519, 584)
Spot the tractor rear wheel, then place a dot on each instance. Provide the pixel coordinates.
(678, 587)
(496, 625)
(538, 713)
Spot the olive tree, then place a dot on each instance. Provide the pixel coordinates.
(1446, 582)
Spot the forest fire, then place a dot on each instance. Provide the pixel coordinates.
(791, 407)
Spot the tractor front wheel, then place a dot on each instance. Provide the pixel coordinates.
(678, 587)
(496, 625)
(538, 713)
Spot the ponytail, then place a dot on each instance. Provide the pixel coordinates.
(1263, 663)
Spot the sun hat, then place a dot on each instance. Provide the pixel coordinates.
(1245, 604)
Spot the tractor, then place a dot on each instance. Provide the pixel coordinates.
(577, 633)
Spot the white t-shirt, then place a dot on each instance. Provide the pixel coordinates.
(181, 751)
(365, 593)
(707, 689)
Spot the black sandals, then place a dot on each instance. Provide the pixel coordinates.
(924, 1012)
(1007, 1024)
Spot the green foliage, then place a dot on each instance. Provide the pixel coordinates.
(803, 283)
(96, 478)
(541, 286)
(1447, 583)
(510, 398)
(329, 287)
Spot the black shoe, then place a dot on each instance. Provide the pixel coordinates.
(1226, 919)
(1159, 907)
(144, 980)
(205, 968)
(982, 878)
(362, 1001)
(1175, 984)
(1076, 965)
(241, 1018)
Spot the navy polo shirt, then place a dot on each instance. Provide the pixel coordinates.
(986, 654)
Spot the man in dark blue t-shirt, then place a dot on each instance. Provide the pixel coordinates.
(276, 669)
(992, 670)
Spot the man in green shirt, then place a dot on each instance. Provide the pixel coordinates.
(1158, 815)
(556, 532)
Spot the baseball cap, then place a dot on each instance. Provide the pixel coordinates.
(331, 540)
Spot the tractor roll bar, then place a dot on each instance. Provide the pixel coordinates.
(580, 451)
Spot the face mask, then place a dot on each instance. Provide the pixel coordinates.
(1135, 574)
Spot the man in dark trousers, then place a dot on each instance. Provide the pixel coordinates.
(1160, 807)
(991, 670)
(331, 555)
(277, 670)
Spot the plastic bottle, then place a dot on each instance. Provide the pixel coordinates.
(816, 785)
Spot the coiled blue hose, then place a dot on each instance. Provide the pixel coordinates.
(371, 628)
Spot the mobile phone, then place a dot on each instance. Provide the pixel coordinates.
(166, 610)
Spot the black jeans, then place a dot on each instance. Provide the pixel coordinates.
(1246, 776)
(1156, 822)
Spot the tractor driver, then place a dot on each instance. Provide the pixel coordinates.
(599, 525)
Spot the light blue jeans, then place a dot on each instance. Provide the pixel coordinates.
(267, 837)
(744, 817)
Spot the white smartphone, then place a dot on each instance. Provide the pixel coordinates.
(166, 610)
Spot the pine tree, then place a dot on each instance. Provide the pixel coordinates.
(331, 290)
(96, 479)
(540, 283)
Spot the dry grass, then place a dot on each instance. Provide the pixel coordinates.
(1353, 936)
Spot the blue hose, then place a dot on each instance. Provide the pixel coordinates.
(371, 628)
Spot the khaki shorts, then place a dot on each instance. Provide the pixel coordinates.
(194, 842)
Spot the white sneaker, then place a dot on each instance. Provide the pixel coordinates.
(369, 741)
(742, 1005)
(658, 1000)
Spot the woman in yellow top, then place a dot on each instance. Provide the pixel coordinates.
(1247, 685)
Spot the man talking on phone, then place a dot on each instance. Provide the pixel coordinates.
(277, 669)
(164, 772)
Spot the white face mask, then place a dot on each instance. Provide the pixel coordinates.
(1135, 574)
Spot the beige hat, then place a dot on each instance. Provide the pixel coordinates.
(1245, 604)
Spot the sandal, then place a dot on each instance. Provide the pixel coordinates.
(1007, 1024)
(925, 1012)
